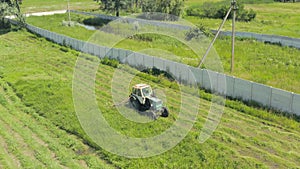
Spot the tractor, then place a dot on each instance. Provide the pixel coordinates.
(143, 99)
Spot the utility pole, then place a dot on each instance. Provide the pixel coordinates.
(68, 7)
(216, 36)
(234, 8)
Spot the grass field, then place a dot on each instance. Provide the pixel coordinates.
(255, 61)
(29, 140)
(30, 6)
(272, 18)
(42, 80)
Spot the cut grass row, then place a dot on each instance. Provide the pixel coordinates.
(238, 142)
(32, 141)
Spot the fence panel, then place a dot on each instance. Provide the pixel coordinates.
(296, 43)
(242, 89)
(230, 85)
(139, 60)
(182, 73)
(90, 49)
(197, 74)
(95, 50)
(102, 51)
(81, 45)
(281, 100)
(267, 38)
(122, 55)
(261, 94)
(85, 47)
(148, 61)
(169, 67)
(213, 77)
(114, 53)
(296, 104)
(130, 60)
(159, 63)
(191, 77)
(222, 85)
(206, 81)
(72, 43)
(257, 36)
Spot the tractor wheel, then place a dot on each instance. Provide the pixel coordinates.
(147, 105)
(135, 103)
(165, 112)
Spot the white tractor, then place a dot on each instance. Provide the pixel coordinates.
(143, 99)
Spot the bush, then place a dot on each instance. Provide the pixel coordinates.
(219, 10)
(95, 21)
(110, 62)
(194, 12)
(195, 33)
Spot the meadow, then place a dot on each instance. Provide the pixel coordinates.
(30, 6)
(39, 85)
(274, 18)
(39, 127)
(256, 61)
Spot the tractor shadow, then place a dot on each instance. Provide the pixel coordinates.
(148, 113)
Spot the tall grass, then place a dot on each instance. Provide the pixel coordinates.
(255, 61)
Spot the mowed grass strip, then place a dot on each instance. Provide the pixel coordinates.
(45, 142)
(48, 73)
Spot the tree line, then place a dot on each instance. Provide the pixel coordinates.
(172, 7)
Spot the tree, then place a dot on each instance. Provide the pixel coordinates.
(173, 7)
(116, 5)
(169, 7)
(10, 8)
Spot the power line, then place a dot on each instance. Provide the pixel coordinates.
(233, 7)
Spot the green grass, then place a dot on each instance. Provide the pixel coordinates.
(42, 80)
(255, 61)
(31, 141)
(272, 18)
(30, 6)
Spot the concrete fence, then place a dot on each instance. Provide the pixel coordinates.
(282, 40)
(216, 82)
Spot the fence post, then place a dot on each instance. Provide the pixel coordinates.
(270, 105)
(292, 101)
(251, 98)
(233, 89)
(202, 81)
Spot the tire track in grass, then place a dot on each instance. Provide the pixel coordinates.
(7, 159)
(55, 139)
(251, 146)
(31, 139)
(273, 147)
(41, 152)
(253, 121)
(17, 145)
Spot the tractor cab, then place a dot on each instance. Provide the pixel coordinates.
(143, 99)
(142, 90)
